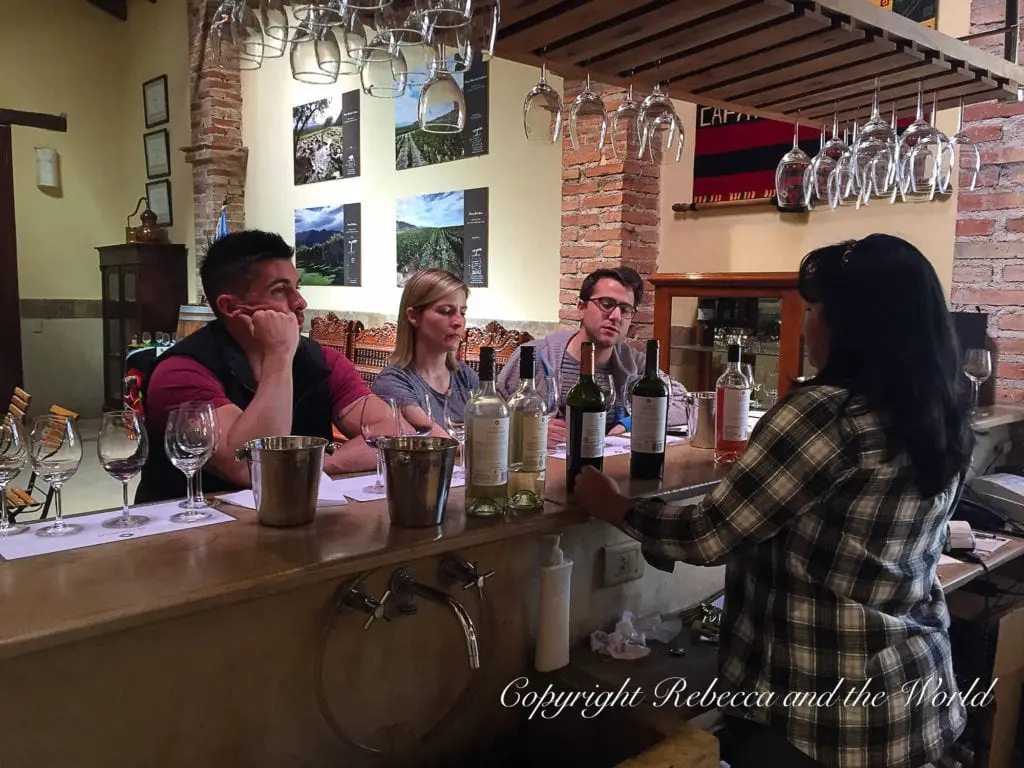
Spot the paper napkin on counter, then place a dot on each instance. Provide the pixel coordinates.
(331, 494)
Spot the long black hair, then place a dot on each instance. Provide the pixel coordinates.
(891, 340)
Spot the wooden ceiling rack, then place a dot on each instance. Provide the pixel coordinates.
(772, 58)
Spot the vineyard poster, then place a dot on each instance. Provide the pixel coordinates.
(446, 230)
(328, 247)
(325, 139)
(415, 148)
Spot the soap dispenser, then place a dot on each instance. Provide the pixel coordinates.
(553, 621)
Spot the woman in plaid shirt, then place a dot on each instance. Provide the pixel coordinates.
(831, 525)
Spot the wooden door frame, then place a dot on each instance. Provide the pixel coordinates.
(11, 366)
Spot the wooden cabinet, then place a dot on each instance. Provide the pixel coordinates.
(696, 316)
(144, 284)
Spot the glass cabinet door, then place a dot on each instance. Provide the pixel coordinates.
(703, 327)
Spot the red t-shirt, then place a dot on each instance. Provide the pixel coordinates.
(182, 379)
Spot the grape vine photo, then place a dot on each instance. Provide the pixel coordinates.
(327, 244)
(415, 148)
(325, 139)
(446, 230)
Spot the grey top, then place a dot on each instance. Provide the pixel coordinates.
(625, 362)
(408, 388)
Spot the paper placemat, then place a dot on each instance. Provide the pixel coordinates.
(330, 494)
(614, 445)
(93, 533)
(355, 487)
(986, 544)
(947, 560)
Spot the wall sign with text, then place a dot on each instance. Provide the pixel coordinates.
(325, 139)
(447, 230)
(328, 245)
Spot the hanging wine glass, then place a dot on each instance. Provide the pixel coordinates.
(384, 75)
(442, 104)
(789, 176)
(657, 118)
(623, 118)
(365, 5)
(484, 27)
(332, 13)
(237, 36)
(961, 141)
(316, 56)
(402, 23)
(542, 112)
(816, 175)
(927, 158)
(841, 179)
(445, 14)
(278, 32)
(587, 104)
(872, 154)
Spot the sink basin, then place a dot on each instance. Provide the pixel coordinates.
(603, 741)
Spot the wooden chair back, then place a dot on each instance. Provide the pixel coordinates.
(331, 331)
(372, 348)
(19, 403)
(494, 334)
(53, 437)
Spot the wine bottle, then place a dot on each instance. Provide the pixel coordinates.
(585, 415)
(649, 420)
(528, 449)
(732, 410)
(487, 424)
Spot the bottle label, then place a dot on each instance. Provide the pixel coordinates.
(650, 417)
(735, 414)
(535, 442)
(592, 435)
(489, 461)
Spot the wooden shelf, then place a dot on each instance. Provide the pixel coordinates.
(771, 58)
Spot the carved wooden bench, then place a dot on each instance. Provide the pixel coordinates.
(494, 335)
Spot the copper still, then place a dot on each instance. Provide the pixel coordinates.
(149, 232)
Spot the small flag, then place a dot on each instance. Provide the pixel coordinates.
(222, 222)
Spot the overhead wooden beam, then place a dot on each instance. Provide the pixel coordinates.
(34, 120)
(116, 8)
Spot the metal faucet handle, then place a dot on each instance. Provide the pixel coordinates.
(455, 569)
(479, 582)
(379, 610)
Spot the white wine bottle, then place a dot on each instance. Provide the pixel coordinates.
(585, 415)
(487, 426)
(528, 448)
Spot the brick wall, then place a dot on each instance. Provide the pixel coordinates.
(988, 266)
(610, 209)
(216, 152)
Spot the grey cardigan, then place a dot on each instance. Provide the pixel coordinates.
(625, 361)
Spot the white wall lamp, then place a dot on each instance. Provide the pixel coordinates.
(47, 168)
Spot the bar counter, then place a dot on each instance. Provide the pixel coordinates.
(68, 596)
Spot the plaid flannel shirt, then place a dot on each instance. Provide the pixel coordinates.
(830, 557)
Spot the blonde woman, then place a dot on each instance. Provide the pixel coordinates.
(423, 368)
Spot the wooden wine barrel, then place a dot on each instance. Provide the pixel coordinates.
(192, 317)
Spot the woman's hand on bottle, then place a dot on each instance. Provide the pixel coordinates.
(598, 495)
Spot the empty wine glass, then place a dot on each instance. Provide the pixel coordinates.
(189, 440)
(961, 141)
(542, 112)
(316, 56)
(484, 26)
(384, 76)
(122, 448)
(657, 116)
(446, 14)
(199, 500)
(789, 176)
(442, 104)
(374, 427)
(978, 368)
(55, 450)
(455, 425)
(587, 104)
(624, 118)
(13, 458)
(401, 22)
(418, 413)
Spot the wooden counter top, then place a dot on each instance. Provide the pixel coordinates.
(62, 597)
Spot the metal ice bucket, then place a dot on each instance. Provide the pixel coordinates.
(418, 471)
(285, 475)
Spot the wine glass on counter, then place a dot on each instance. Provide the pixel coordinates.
(13, 458)
(375, 429)
(189, 441)
(55, 450)
(455, 425)
(977, 368)
(123, 448)
(418, 413)
(198, 496)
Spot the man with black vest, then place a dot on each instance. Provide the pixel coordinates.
(256, 369)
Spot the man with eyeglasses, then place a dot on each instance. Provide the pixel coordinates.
(608, 300)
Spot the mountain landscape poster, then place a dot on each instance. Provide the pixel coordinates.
(325, 139)
(415, 148)
(328, 245)
(446, 230)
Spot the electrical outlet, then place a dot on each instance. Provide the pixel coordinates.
(622, 562)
